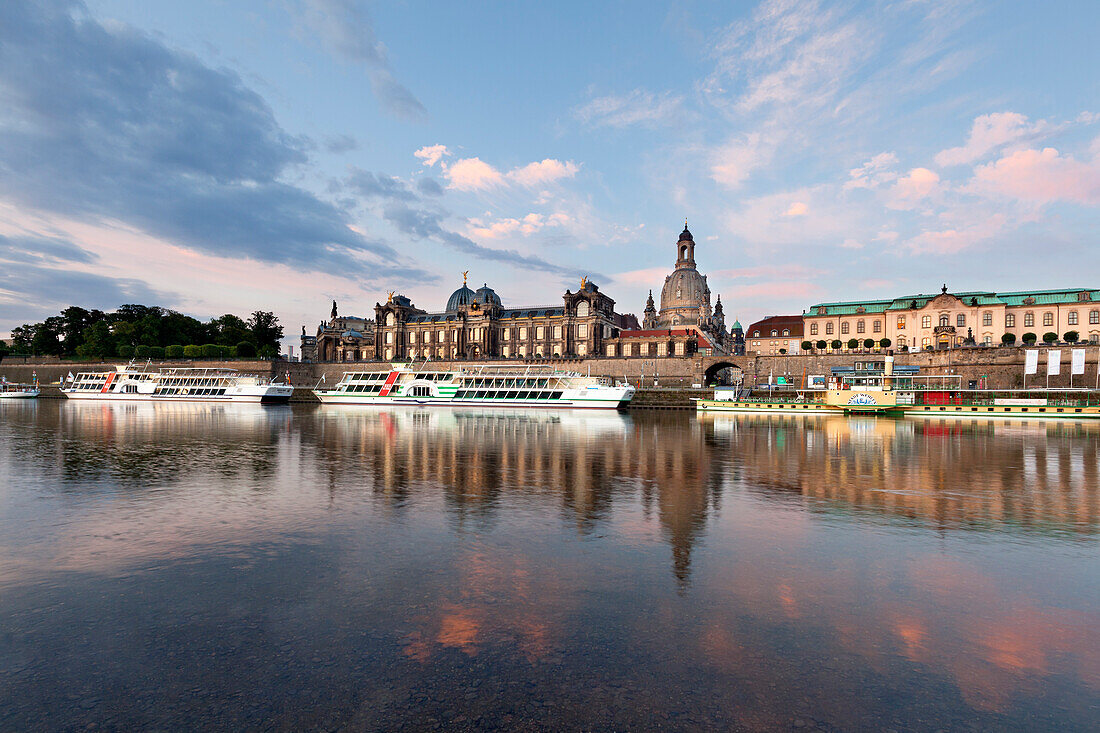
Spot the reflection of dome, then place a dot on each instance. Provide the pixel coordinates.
(462, 296)
(486, 295)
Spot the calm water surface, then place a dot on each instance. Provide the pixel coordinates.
(171, 567)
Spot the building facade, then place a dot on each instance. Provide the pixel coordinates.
(476, 325)
(950, 320)
(341, 338)
(775, 335)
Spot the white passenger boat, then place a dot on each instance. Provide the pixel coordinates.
(14, 391)
(484, 386)
(175, 385)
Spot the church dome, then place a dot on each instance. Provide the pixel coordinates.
(685, 236)
(487, 296)
(685, 288)
(462, 296)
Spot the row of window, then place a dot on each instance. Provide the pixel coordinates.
(960, 322)
(464, 394)
(506, 334)
(647, 349)
(786, 332)
(196, 392)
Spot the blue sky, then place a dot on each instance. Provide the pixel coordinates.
(219, 156)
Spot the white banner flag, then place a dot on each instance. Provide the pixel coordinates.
(1078, 361)
(1031, 362)
(1054, 362)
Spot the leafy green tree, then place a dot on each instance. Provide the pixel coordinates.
(229, 329)
(1029, 338)
(211, 351)
(47, 337)
(868, 343)
(807, 345)
(192, 351)
(156, 352)
(21, 338)
(1008, 339)
(885, 343)
(126, 351)
(175, 351)
(1050, 337)
(853, 343)
(265, 329)
(143, 351)
(836, 344)
(246, 349)
(268, 351)
(1071, 337)
(98, 340)
(821, 345)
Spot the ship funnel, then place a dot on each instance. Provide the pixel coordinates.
(888, 368)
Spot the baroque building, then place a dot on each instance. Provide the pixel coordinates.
(476, 325)
(685, 324)
(341, 338)
(776, 335)
(950, 320)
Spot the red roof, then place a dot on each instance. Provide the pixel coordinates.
(776, 323)
(656, 332)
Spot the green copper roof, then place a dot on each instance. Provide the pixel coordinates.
(978, 298)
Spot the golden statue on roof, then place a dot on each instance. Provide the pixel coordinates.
(389, 296)
(584, 281)
(465, 273)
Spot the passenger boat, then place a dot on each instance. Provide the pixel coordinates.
(483, 386)
(175, 385)
(14, 391)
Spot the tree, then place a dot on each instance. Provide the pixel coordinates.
(47, 337)
(868, 343)
(3, 350)
(807, 345)
(229, 329)
(1050, 337)
(835, 344)
(1029, 338)
(21, 337)
(853, 343)
(1071, 337)
(211, 351)
(192, 351)
(265, 329)
(175, 351)
(143, 351)
(126, 351)
(1008, 339)
(821, 345)
(246, 350)
(156, 352)
(97, 340)
(885, 343)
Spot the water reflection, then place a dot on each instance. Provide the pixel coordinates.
(243, 566)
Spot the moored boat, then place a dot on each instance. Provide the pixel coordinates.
(483, 386)
(16, 391)
(175, 385)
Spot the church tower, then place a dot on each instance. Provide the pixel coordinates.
(649, 315)
(685, 297)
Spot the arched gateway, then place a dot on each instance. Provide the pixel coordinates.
(721, 373)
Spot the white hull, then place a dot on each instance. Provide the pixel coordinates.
(610, 398)
(255, 395)
(19, 395)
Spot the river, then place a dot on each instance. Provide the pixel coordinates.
(286, 568)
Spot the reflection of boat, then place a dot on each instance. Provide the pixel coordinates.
(13, 391)
(129, 383)
(587, 422)
(485, 386)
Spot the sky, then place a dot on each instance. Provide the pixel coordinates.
(224, 156)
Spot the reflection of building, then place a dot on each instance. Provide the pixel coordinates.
(342, 338)
(949, 320)
(685, 324)
(776, 335)
(476, 325)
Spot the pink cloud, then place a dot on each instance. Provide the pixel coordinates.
(1041, 176)
(910, 189)
(542, 172)
(647, 277)
(874, 172)
(988, 133)
(526, 226)
(473, 174)
(432, 154)
(956, 239)
(772, 291)
(796, 209)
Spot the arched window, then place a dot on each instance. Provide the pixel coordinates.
(813, 329)
(945, 320)
(774, 332)
(582, 309)
(1010, 320)
(786, 332)
(829, 328)
(1071, 318)
(756, 334)
(1029, 319)
(1048, 319)
(389, 319)
(861, 327)
(844, 327)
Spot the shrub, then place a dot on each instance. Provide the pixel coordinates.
(246, 349)
(141, 351)
(821, 344)
(126, 351)
(1008, 339)
(868, 343)
(885, 343)
(807, 345)
(156, 352)
(853, 343)
(835, 344)
(1030, 338)
(211, 351)
(175, 351)
(1071, 337)
(1050, 337)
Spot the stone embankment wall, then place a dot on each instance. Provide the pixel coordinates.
(1002, 367)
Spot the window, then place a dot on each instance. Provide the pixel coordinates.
(662, 349)
(960, 320)
(829, 328)
(1094, 316)
(876, 326)
(813, 329)
(774, 332)
(1029, 320)
(412, 337)
(1094, 338)
(557, 332)
(901, 341)
(926, 322)
(786, 332)
(1071, 318)
(861, 327)
(442, 337)
(756, 334)
(987, 319)
(582, 331)
(523, 334)
(844, 327)
(925, 342)
(1048, 319)
(945, 320)
(389, 337)
(389, 319)
(582, 309)
(901, 322)
(538, 333)
(1010, 320)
